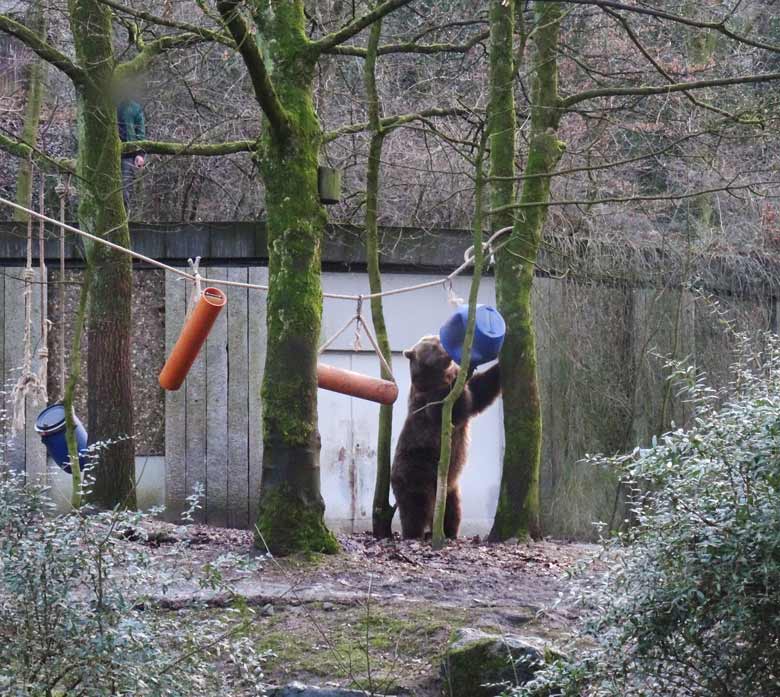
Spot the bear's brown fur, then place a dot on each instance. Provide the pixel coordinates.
(416, 458)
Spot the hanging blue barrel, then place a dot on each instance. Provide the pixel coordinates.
(489, 331)
(50, 424)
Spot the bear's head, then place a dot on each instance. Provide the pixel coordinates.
(430, 365)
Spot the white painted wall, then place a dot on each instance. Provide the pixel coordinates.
(349, 426)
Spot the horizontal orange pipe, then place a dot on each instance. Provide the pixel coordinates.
(193, 336)
(356, 384)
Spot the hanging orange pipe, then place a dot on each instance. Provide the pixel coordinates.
(193, 336)
(356, 384)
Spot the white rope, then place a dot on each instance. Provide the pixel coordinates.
(490, 247)
(62, 191)
(43, 346)
(29, 382)
(360, 323)
(197, 283)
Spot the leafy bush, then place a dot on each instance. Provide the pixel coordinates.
(79, 612)
(690, 604)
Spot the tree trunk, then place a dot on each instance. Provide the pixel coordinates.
(102, 212)
(291, 507)
(36, 19)
(69, 393)
(445, 448)
(517, 514)
(382, 511)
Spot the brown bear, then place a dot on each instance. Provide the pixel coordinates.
(416, 460)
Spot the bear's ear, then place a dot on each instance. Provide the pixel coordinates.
(409, 353)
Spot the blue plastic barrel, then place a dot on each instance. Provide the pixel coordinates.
(50, 424)
(489, 332)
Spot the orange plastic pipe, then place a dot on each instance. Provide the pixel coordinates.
(356, 384)
(193, 336)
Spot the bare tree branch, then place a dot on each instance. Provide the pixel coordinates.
(339, 37)
(46, 51)
(156, 147)
(606, 165)
(152, 49)
(660, 69)
(411, 47)
(261, 81)
(727, 188)
(204, 32)
(43, 161)
(719, 27)
(391, 122)
(646, 91)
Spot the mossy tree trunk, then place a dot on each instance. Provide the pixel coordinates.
(94, 73)
(281, 60)
(36, 80)
(517, 514)
(102, 212)
(291, 507)
(382, 512)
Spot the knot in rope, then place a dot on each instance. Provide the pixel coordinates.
(194, 265)
(358, 322)
(28, 275)
(43, 352)
(452, 298)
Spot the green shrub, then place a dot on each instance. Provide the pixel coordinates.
(79, 617)
(690, 604)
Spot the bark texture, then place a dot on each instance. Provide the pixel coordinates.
(517, 514)
(36, 78)
(445, 453)
(102, 212)
(291, 508)
(382, 512)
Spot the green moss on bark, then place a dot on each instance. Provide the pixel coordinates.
(289, 522)
(36, 19)
(102, 212)
(291, 508)
(517, 513)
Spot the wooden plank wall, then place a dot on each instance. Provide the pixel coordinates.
(23, 452)
(213, 423)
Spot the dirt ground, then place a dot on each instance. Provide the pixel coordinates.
(379, 615)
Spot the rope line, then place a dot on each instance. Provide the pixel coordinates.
(62, 189)
(30, 382)
(360, 323)
(491, 246)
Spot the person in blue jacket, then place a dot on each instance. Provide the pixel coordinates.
(132, 128)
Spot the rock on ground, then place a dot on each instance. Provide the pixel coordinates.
(478, 664)
(297, 689)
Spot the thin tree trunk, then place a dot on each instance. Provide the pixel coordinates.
(36, 79)
(102, 212)
(69, 395)
(291, 507)
(382, 511)
(517, 514)
(445, 452)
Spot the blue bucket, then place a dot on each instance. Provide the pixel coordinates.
(489, 332)
(50, 425)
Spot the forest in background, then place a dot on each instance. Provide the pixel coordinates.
(622, 148)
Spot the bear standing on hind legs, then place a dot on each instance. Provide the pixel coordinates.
(416, 460)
